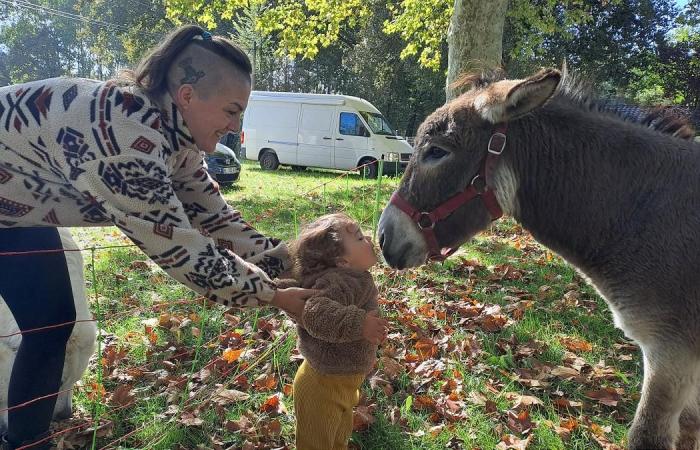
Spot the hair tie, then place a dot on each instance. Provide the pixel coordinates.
(206, 36)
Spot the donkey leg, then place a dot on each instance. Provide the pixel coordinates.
(689, 422)
(670, 377)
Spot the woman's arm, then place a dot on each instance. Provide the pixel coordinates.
(208, 211)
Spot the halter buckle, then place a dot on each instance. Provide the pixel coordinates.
(497, 146)
(428, 224)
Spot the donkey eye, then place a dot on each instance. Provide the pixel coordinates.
(435, 153)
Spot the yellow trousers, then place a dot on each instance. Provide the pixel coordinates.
(323, 406)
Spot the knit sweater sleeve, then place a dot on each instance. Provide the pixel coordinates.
(133, 187)
(208, 211)
(333, 319)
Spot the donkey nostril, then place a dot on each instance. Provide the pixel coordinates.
(381, 240)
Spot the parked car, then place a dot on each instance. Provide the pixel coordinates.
(233, 141)
(320, 130)
(223, 165)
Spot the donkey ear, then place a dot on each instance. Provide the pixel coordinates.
(510, 99)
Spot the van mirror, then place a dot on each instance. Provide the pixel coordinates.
(363, 131)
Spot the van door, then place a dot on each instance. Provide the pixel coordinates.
(351, 140)
(273, 125)
(316, 136)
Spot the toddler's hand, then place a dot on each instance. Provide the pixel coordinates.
(374, 329)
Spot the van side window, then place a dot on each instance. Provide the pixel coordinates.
(350, 124)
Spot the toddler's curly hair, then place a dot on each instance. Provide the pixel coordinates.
(320, 244)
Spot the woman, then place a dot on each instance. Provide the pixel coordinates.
(127, 152)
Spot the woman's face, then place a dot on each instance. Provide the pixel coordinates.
(210, 117)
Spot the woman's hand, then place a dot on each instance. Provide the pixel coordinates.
(292, 300)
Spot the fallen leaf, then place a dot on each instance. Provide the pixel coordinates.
(265, 382)
(139, 265)
(391, 367)
(520, 401)
(190, 420)
(362, 418)
(150, 334)
(230, 355)
(510, 442)
(95, 392)
(606, 396)
(576, 345)
(426, 348)
(242, 424)
(564, 372)
(272, 429)
(564, 403)
(273, 405)
(379, 383)
(122, 396)
(423, 402)
(570, 423)
(225, 397)
(519, 422)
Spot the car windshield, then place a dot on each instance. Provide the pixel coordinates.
(377, 123)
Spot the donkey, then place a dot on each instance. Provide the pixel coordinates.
(618, 200)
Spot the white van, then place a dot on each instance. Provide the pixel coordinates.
(320, 130)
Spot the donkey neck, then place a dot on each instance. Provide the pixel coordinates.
(584, 179)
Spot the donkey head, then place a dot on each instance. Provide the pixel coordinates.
(450, 156)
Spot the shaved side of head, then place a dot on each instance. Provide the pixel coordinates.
(206, 71)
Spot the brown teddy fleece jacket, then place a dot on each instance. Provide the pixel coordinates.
(330, 327)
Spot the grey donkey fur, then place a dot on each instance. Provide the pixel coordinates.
(618, 200)
(80, 347)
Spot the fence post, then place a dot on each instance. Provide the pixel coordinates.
(97, 402)
(377, 195)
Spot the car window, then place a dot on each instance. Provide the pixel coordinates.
(350, 124)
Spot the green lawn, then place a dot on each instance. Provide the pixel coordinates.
(503, 346)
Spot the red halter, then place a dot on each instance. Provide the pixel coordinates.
(478, 188)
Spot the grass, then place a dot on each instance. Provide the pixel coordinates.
(163, 363)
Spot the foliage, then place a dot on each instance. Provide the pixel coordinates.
(49, 38)
(422, 24)
(392, 53)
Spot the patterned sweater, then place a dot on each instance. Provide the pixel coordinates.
(78, 152)
(330, 328)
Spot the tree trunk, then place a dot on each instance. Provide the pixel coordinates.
(474, 38)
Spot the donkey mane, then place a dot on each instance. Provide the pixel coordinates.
(576, 90)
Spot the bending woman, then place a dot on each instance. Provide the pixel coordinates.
(126, 152)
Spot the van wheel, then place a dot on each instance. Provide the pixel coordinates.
(369, 170)
(298, 168)
(269, 161)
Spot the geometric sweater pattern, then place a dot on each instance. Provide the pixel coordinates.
(77, 152)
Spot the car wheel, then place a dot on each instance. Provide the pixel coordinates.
(369, 168)
(269, 161)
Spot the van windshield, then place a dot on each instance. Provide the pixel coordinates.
(377, 123)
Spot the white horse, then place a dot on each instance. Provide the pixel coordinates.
(80, 347)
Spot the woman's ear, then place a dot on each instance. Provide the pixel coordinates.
(183, 96)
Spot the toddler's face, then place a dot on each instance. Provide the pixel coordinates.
(359, 250)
